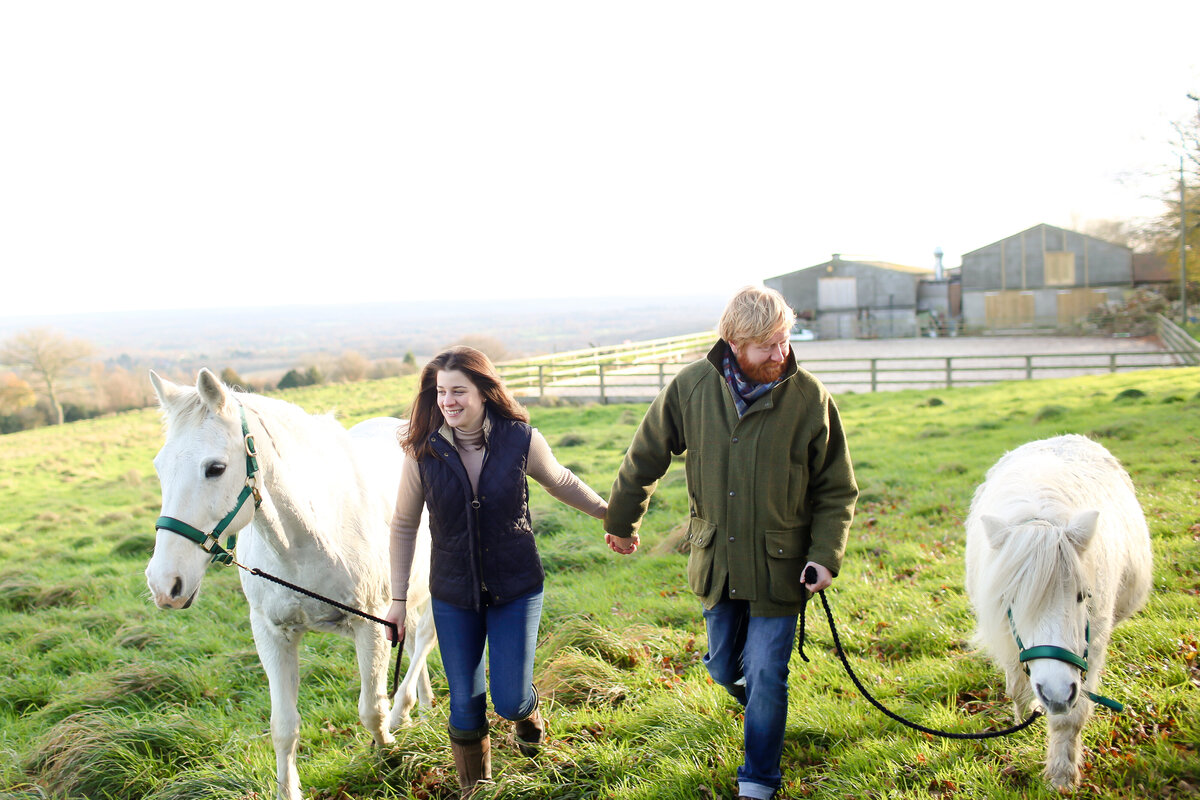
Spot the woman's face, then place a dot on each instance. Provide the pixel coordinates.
(459, 400)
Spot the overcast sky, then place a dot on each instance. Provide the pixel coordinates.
(207, 154)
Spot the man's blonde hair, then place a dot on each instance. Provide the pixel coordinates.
(755, 314)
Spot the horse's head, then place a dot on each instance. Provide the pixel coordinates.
(1046, 590)
(201, 470)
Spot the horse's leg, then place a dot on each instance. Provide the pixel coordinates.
(415, 685)
(1064, 745)
(280, 657)
(372, 649)
(1016, 686)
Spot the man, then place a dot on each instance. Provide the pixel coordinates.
(772, 492)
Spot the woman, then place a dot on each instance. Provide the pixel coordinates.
(468, 449)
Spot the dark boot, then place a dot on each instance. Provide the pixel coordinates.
(529, 733)
(472, 761)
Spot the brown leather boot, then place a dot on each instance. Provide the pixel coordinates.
(529, 733)
(472, 762)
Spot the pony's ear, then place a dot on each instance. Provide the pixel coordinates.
(996, 529)
(1081, 528)
(212, 391)
(167, 392)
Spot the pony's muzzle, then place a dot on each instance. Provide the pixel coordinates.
(1058, 699)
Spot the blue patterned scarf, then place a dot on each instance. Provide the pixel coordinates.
(745, 391)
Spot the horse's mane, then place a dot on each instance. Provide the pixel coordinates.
(1036, 568)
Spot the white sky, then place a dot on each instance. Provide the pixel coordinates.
(166, 154)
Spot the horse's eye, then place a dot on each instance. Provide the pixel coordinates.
(215, 470)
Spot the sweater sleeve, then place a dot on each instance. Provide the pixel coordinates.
(562, 484)
(407, 518)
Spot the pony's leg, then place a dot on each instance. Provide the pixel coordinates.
(415, 686)
(280, 657)
(1017, 687)
(1064, 745)
(372, 649)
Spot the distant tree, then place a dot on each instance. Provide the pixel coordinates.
(230, 377)
(351, 366)
(1162, 232)
(15, 394)
(490, 346)
(410, 360)
(387, 368)
(291, 379)
(50, 358)
(116, 389)
(313, 376)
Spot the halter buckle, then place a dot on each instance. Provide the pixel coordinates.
(250, 448)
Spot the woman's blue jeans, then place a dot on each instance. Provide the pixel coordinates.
(756, 649)
(510, 632)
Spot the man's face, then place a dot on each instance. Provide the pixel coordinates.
(763, 362)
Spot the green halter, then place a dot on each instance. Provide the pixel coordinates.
(211, 541)
(1065, 655)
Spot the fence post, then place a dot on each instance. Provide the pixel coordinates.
(949, 374)
(541, 381)
(1028, 368)
(662, 375)
(600, 375)
(1112, 362)
(874, 377)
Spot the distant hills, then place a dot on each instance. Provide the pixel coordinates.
(264, 338)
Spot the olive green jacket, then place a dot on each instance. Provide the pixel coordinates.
(768, 492)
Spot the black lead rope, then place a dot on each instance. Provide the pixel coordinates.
(397, 641)
(863, 690)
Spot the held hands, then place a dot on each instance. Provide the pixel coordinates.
(396, 614)
(624, 545)
(823, 577)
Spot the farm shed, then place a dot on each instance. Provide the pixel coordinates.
(1043, 277)
(847, 299)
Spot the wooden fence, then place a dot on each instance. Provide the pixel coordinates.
(1179, 341)
(610, 379)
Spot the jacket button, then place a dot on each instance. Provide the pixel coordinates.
(731, 538)
(781, 551)
(735, 439)
(732, 494)
(733, 591)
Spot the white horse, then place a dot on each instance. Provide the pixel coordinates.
(327, 497)
(1057, 554)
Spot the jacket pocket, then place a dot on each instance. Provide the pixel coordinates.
(700, 537)
(785, 564)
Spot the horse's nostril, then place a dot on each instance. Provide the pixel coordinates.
(1074, 692)
(177, 588)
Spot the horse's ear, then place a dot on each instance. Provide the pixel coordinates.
(996, 529)
(1081, 528)
(166, 391)
(212, 391)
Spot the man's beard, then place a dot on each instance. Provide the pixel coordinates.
(766, 372)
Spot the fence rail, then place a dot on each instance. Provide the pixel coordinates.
(616, 381)
(1178, 340)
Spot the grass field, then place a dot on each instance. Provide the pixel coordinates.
(104, 696)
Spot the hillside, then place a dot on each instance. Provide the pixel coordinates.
(105, 696)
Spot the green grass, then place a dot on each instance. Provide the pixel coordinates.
(104, 696)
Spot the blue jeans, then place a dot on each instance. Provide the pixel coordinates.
(510, 631)
(756, 649)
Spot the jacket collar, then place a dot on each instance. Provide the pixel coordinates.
(717, 353)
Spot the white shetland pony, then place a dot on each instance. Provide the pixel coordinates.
(1057, 554)
(327, 497)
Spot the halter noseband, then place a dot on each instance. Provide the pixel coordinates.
(211, 541)
(1064, 655)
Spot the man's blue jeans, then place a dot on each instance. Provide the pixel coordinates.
(756, 649)
(510, 631)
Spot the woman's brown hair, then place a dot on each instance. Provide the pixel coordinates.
(425, 417)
